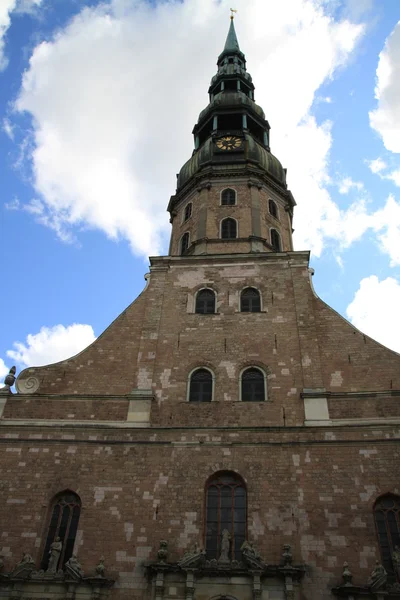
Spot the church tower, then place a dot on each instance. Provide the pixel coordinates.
(229, 436)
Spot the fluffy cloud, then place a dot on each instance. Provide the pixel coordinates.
(373, 307)
(52, 344)
(377, 165)
(3, 371)
(115, 94)
(6, 8)
(385, 119)
(347, 183)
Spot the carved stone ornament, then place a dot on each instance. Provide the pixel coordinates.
(9, 381)
(347, 575)
(225, 547)
(287, 556)
(30, 385)
(193, 560)
(54, 555)
(100, 568)
(25, 567)
(378, 579)
(396, 560)
(163, 551)
(73, 568)
(251, 557)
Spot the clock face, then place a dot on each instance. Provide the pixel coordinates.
(229, 142)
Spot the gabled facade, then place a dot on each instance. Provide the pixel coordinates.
(229, 435)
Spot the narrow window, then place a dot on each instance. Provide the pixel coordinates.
(253, 387)
(387, 522)
(63, 524)
(228, 229)
(273, 209)
(184, 242)
(200, 386)
(188, 211)
(250, 300)
(275, 240)
(226, 508)
(228, 197)
(205, 302)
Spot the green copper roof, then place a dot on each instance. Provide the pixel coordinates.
(231, 44)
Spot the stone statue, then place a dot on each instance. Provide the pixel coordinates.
(347, 575)
(100, 568)
(396, 560)
(25, 567)
(9, 381)
(378, 579)
(73, 567)
(250, 556)
(163, 551)
(225, 547)
(287, 555)
(54, 554)
(194, 559)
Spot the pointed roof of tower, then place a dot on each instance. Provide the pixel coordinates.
(231, 44)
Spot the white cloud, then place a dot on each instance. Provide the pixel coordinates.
(347, 183)
(115, 95)
(3, 371)
(385, 119)
(8, 129)
(6, 8)
(377, 165)
(52, 344)
(373, 307)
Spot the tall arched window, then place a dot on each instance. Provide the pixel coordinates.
(253, 385)
(205, 302)
(273, 209)
(226, 509)
(250, 300)
(64, 519)
(275, 240)
(184, 245)
(188, 211)
(228, 229)
(201, 386)
(228, 197)
(387, 521)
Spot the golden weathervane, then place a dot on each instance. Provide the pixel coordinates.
(232, 13)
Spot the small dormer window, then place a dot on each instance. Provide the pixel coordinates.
(188, 211)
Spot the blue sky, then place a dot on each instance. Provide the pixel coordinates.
(97, 104)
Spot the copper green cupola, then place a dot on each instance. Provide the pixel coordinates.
(231, 144)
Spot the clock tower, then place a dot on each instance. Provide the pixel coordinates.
(231, 194)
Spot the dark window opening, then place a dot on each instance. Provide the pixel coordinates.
(228, 197)
(226, 509)
(250, 300)
(256, 130)
(387, 522)
(228, 229)
(200, 386)
(273, 209)
(230, 122)
(184, 242)
(253, 389)
(188, 211)
(275, 240)
(205, 302)
(206, 131)
(64, 525)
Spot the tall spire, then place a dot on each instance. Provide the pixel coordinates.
(231, 44)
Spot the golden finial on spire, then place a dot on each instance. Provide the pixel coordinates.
(233, 10)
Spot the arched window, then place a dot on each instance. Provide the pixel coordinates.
(64, 520)
(184, 242)
(250, 300)
(273, 209)
(275, 240)
(253, 385)
(228, 229)
(201, 384)
(387, 521)
(226, 509)
(188, 211)
(205, 302)
(228, 197)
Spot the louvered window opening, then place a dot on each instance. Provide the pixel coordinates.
(200, 386)
(387, 521)
(273, 209)
(228, 229)
(228, 197)
(253, 389)
(205, 302)
(63, 524)
(275, 240)
(188, 211)
(226, 507)
(250, 300)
